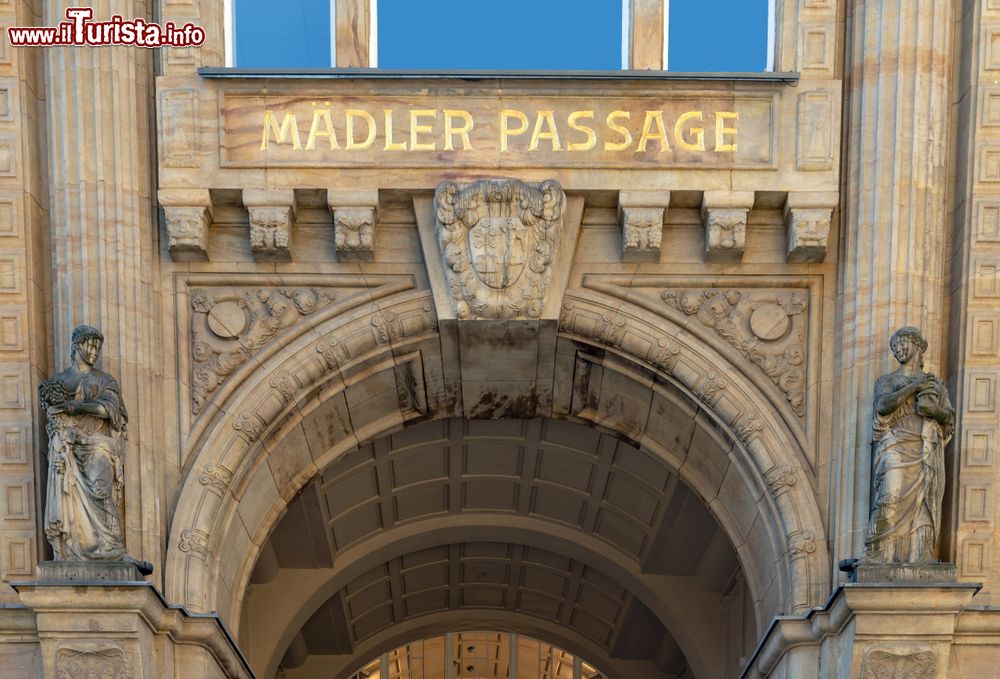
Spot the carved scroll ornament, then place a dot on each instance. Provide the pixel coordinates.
(498, 240)
(229, 325)
(766, 327)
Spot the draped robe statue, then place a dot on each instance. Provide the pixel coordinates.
(86, 418)
(914, 420)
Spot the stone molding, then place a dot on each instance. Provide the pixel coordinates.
(188, 215)
(808, 218)
(724, 215)
(355, 217)
(272, 216)
(641, 214)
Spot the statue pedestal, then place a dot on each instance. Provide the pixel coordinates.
(904, 572)
(94, 626)
(120, 571)
(889, 629)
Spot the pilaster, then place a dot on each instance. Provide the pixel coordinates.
(104, 237)
(893, 238)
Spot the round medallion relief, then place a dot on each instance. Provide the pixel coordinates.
(769, 322)
(227, 320)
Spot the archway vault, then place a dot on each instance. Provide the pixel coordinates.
(541, 517)
(337, 381)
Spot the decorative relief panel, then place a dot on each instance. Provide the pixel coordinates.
(498, 239)
(814, 147)
(229, 325)
(890, 665)
(768, 327)
(108, 663)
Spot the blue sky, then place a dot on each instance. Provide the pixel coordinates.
(705, 35)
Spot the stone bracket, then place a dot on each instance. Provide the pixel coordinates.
(355, 215)
(188, 214)
(724, 215)
(272, 214)
(808, 216)
(641, 216)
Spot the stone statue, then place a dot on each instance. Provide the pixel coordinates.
(914, 420)
(86, 418)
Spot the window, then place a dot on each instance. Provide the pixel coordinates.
(522, 35)
(719, 35)
(502, 35)
(285, 34)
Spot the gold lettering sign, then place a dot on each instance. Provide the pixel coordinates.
(424, 131)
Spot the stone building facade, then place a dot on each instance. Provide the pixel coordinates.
(586, 359)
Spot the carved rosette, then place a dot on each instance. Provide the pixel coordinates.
(498, 240)
(767, 327)
(229, 325)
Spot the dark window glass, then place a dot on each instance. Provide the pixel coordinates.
(285, 34)
(717, 35)
(507, 35)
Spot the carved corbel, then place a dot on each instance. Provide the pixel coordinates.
(188, 214)
(272, 214)
(355, 214)
(641, 216)
(808, 217)
(724, 214)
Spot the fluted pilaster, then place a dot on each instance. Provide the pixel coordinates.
(894, 230)
(104, 232)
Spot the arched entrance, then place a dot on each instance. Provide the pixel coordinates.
(540, 525)
(340, 381)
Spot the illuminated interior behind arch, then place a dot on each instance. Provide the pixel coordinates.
(478, 655)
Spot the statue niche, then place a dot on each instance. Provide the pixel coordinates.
(914, 421)
(86, 425)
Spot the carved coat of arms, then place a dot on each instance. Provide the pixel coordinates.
(498, 239)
